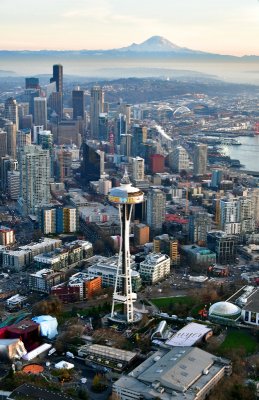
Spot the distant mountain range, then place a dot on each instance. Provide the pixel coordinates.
(155, 46)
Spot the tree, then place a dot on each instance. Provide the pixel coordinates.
(52, 306)
(97, 384)
(82, 394)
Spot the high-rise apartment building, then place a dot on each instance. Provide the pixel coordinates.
(23, 138)
(138, 169)
(255, 197)
(237, 215)
(216, 178)
(156, 201)
(13, 184)
(6, 164)
(96, 108)
(78, 103)
(35, 176)
(179, 160)
(200, 159)
(45, 140)
(58, 220)
(40, 111)
(199, 225)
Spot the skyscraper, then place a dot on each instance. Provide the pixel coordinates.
(34, 170)
(58, 77)
(32, 83)
(103, 126)
(11, 111)
(92, 167)
(200, 159)
(55, 103)
(40, 111)
(120, 128)
(10, 129)
(3, 143)
(56, 98)
(96, 107)
(139, 137)
(156, 201)
(78, 103)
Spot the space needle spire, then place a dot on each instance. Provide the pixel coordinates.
(125, 196)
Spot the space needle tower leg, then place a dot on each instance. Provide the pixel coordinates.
(126, 211)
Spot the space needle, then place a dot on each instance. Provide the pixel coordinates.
(125, 196)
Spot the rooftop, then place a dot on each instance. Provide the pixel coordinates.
(179, 373)
(253, 302)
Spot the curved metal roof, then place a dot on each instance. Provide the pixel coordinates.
(224, 309)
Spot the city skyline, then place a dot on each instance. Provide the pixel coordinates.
(218, 27)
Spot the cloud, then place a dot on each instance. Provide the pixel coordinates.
(106, 16)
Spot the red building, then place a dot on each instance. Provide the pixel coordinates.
(27, 331)
(78, 288)
(157, 163)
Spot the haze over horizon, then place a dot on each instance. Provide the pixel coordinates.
(221, 27)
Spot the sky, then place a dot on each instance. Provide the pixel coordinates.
(217, 26)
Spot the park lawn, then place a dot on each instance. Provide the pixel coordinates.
(238, 339)
(164, 302)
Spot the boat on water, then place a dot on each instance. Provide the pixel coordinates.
(230, 142)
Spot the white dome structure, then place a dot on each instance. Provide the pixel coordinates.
(224, 309)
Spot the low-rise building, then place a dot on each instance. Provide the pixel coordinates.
(23, 256)
(250, 252)
(79, 287)
(250, 310)
(66, 256)
(6, 236)
(155, 267)
(223, 245)
(43, 280)
(199, 256)
(184, 373)
(109, 357)
(106, 268)
(15, 302)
